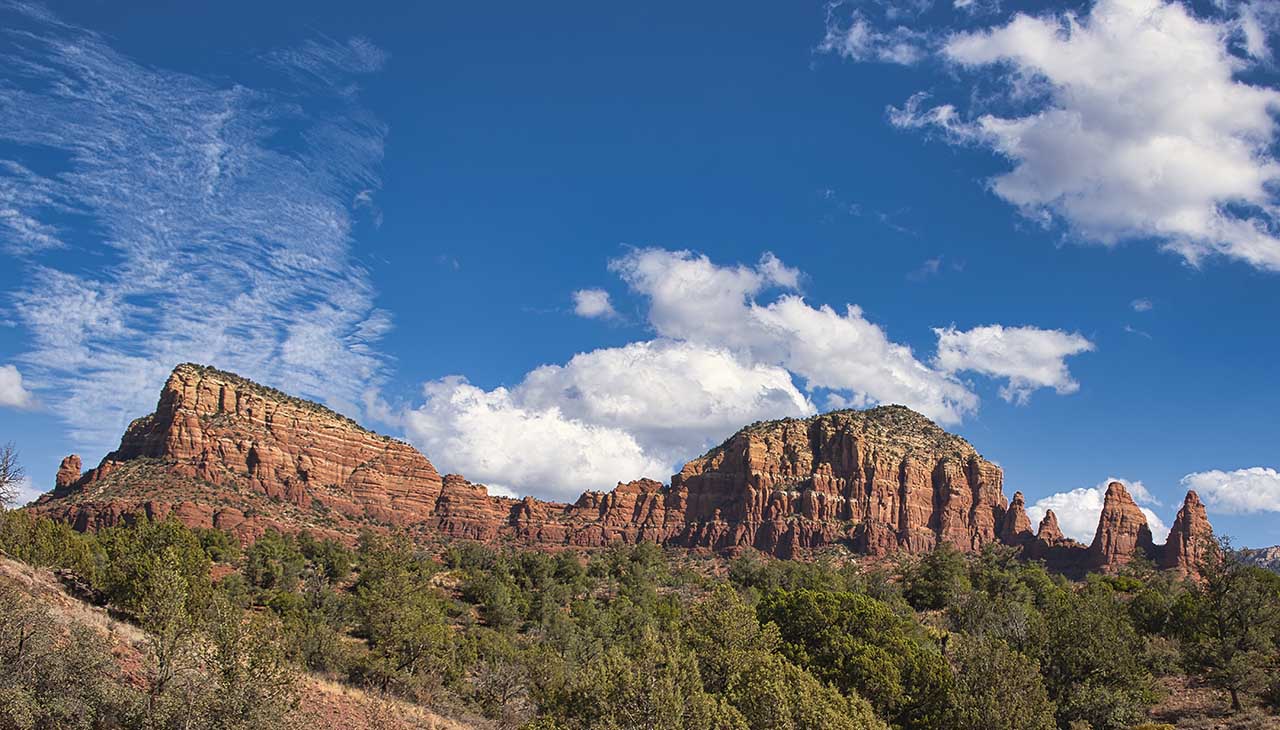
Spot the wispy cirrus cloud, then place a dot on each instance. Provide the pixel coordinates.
(212, 221)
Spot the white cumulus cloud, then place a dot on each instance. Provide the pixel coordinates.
(693, 299)
(1243, 491)
(12, 392)
(1079, 509)
(489, 436)
(731, 343)
(1133, 121)
(673, 396)
(593, 304)
(605, 416)
(1027, 357)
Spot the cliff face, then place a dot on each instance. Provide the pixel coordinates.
(214, 435)
(1268, 558)
(883, 480)
(221, 451)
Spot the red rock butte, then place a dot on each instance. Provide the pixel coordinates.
(222, 451)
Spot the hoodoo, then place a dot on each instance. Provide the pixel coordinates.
(1122, 530)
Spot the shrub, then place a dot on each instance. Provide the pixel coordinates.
(274, 562)
(861, 646)
(997, 688)
(51, 677)
(937, 579)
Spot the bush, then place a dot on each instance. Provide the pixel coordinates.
(219, 545)
(274, 562)
(652, 684)
(329, 558)
(937, 579)
(148, 559)
(997, 688)
(44, 543)
(51, 677)
(861, 646)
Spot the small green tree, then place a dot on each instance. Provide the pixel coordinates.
(1093, 661)
(174, 643)
(135, 556)
(737, 659)
(997, 688)
(862, 646)
(254, 685)
(652, 684)
(274, 562)
(1229, 623)
(937, 579)
(401, 614)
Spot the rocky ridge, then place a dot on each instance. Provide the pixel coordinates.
(1268, 558)
(222, 451)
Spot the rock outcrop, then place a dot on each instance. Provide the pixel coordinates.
(68, 473)
(1122, 531)
(1049, 532)
(1267, 558)
(222, 451)
(1189, 537)
(882, 480)
(1016, 527)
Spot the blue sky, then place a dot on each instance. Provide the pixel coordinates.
(561, 246)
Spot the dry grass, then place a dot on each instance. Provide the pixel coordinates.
(325, 705)
(1192, 705)
(328, 705)
(44, 586)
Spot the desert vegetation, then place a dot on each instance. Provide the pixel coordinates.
(629, 637)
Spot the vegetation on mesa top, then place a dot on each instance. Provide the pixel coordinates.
(892, 424)
(268, 393)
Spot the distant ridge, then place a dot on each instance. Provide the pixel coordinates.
(1268, 558)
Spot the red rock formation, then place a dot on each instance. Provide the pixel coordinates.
(68, 473)
(218, 428)
(1056, 550)
(1049, 532)
(221, 451)
(882, 480)
(1189, 537)
(1122, 531)
(1015, 529)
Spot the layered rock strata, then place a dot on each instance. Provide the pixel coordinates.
(222, 451)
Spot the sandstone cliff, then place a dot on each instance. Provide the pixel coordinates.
(883, 480)
(222, 451)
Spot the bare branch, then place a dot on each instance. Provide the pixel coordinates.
(11, 475)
